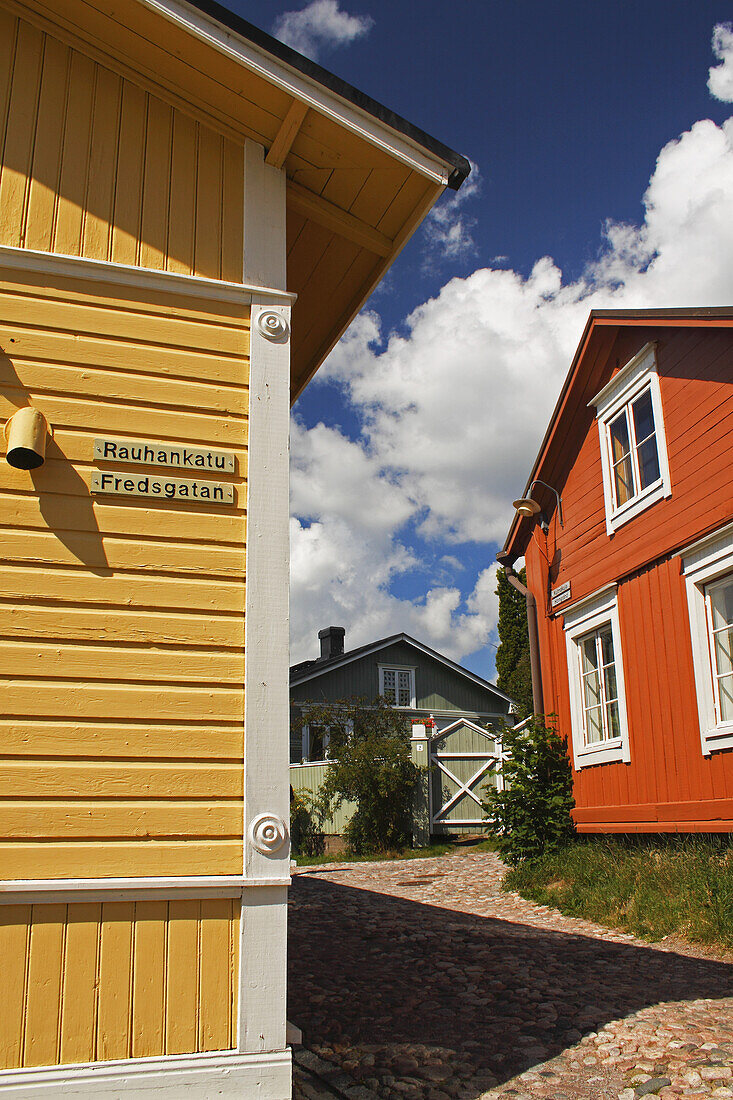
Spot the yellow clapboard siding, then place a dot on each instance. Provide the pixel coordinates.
(115, 979)
(182, 221)
(49, 699)
(104, 516)
(78, 129)
(103, 624)
(118, 859)
(44, 548)
(43, 997)
(97, 739)
(107, 662)
(68, 477)
(92, 779)
(84, 820)
(50, 377)
(168, 306)
(202, 429)
(80, 988)
(121, 589)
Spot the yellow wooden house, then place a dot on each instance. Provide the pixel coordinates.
(190, 216)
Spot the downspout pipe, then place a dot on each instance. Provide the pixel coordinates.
(532, 631)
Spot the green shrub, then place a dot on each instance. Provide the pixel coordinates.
(369, 744)
(306, 835)
(532, 814)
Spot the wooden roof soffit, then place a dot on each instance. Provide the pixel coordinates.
(287, 134)
(340, 221)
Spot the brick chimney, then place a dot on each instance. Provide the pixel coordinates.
(332, 642)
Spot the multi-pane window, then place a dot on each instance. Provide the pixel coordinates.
(634, 455)
(601, 720)
(596, 681)
(633, 447)
(719, 599)
(397, 686)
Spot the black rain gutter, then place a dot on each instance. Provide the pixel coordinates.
(263, 41)
(532, 631)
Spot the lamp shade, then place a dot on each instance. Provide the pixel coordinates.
(526, 506)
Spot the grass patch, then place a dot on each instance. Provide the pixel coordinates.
(376, 857)
(677, 886)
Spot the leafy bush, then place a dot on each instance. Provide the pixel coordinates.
(532, 814)
(369, 744)
(306, 836)
(650, 886)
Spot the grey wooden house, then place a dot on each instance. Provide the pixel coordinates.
(458, 716)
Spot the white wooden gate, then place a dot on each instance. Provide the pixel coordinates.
(465, 760)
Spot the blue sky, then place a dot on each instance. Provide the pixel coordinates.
(604, 176)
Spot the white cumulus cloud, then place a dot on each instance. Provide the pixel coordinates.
(720, 78)
(320, 24)
(453, 408)
(448, 229)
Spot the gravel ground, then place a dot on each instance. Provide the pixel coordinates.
(421, 980)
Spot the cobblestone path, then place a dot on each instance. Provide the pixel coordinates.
(421, 980)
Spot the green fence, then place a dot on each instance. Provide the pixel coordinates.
(309, 777)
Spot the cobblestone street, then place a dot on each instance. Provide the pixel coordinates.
(421, 980)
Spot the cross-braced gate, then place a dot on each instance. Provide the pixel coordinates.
(465, 760)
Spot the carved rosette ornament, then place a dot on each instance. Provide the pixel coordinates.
(273, 326)
(267, 833)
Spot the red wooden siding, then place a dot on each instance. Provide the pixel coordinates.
(669, 785)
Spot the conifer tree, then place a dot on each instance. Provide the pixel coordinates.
(512, 657)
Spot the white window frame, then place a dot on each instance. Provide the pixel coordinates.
(705, 562)
(639, 374)
(399, 668)
(585, 617)
(305, 745)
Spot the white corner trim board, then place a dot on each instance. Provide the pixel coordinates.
(94, 272)
(193, 1076)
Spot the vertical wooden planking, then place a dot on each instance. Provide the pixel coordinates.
(232, 243)
(43, 998)
(79, 1003)
(156, 187)
(148, 981)
(102, 161)
(14, 933)
(214, 1024)
(19, 135)
(236, 908)
(208, 205)
(8, 37)
(182, 977)
(75, 155)
(115, 966)
(129, 179)
(44, 182)
(183, 195)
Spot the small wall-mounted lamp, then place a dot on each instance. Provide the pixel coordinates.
(27, 433)
(528, 507)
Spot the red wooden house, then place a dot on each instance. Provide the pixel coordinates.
(627, 532)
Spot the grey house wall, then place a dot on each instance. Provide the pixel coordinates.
(438, 689)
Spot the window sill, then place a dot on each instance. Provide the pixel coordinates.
(719, 737)
(635, 507)
(607, 752)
